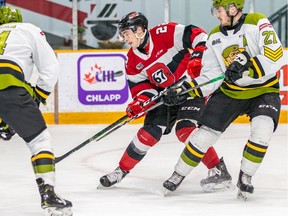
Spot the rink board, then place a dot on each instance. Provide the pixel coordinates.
(92, 89)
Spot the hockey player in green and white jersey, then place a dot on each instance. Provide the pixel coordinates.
(23, 46)
(245, 48)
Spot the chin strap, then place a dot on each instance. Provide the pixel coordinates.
(232, 18)
(231, 23)
(139, 38)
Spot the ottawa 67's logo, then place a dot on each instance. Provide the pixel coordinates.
(160, 75)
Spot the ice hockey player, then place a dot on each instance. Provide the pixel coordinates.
(157, 58)
(22, 46)
(246, 49)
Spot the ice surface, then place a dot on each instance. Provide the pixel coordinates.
(139, 193)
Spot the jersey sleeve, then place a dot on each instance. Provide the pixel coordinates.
(193, 36)
(270, 58)
(210, 70)
(45, 61)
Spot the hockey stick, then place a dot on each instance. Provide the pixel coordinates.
(203, 84)
(128, 120)
(117, 124)
(111, 126)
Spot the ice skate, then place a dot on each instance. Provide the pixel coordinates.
(218, 179)
(51, 202)
(172, 183)
(112, 178)
(245, 186)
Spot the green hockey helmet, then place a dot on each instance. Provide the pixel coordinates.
(10, 14)
(239, 4)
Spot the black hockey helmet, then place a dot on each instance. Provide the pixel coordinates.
(132, 21)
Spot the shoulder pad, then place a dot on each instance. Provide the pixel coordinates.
(214, 30)
(254, 18)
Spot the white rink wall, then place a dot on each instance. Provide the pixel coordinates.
(92, 82)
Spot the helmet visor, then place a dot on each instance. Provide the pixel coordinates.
(216, 10)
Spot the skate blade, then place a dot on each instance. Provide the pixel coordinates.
(242, 195)
(224, 186)
(164, 192)
(53, 211)
(101, 187)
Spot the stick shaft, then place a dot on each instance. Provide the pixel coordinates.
(60, 158)
(204, 84)
(119, 123)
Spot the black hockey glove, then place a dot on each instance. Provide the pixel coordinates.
(173, 96)
(6, 132)
(40, 95)
(236, 69)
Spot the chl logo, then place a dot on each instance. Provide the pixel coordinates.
(217, 41)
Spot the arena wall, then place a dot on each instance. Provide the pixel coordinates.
(92, 89)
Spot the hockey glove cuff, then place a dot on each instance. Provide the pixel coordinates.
(136, 106)
(174, 97)
(39, 95)
(195, 64)
(236, 69)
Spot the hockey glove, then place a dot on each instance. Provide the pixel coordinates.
(136, 106)
(236, 69)
(40, 95)
(6, 132)
(174, 97)
(195, 64)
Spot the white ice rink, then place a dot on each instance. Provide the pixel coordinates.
(139, 193)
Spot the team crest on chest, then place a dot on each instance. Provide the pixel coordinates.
(230, 53)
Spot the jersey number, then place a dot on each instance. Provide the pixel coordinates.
(3, 37)
(268, 39)
(162, 29)
(160, 75)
